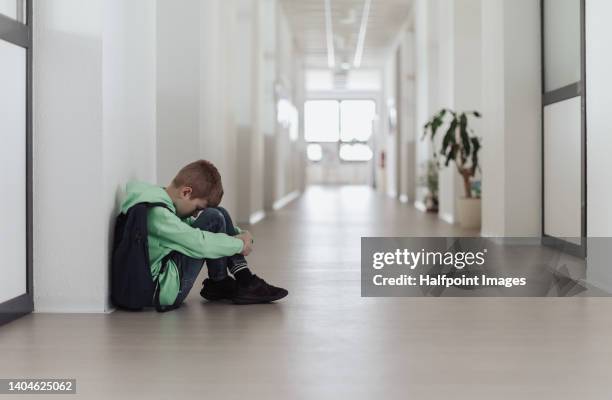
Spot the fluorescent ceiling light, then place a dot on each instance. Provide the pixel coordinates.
(329, 32)
(362, 33)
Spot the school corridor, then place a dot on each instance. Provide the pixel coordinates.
(329, 121)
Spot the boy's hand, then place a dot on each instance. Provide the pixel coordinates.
(247, 239)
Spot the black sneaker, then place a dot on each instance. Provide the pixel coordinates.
(258, 291)
(218, 290)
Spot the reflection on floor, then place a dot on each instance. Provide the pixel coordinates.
(325, 341)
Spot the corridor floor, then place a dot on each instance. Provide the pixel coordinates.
(325, 341)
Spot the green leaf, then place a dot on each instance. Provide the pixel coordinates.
(450, 156)
(449, 137)
(437, 122)
(476, 146)
(465, 139)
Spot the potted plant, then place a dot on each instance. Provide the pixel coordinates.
(430, 180)
(461, 146)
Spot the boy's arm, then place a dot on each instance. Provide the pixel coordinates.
(191, 220)
(193, 242)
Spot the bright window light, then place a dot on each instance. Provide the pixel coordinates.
(283, 112)
(356, 120)
(314, 152)
(322, 121)
(294, 120)
(355, 152)
(288, 117)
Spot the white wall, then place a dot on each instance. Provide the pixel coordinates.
(599, 125)
(425, 73)
(217, 130)
(94, 120)
(447, 60)
(287, 152)
(245, 89)
(511, 98)
(399, 141)
(467, 73)
(70, 272)
(390, 134)
(196, 104)
(493, 84)
(237, 50)
(599, 142)
(178, 94)
(129, 102)
(407, 110)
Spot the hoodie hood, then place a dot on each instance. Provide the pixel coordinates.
(142, 192)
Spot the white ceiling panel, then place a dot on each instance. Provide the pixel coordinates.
(307, 21)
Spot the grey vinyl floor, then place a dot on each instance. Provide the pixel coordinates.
(325, 341)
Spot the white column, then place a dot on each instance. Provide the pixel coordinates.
(511, 99)
(70, 269)
(599, 143)
(94, 119)
(424, 75)
(460, 82)
(445, 26)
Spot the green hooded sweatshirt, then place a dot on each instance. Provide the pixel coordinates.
(167, 232)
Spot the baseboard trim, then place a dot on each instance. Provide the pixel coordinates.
(47, 305)
(15, 308)
(514, 241)
(446, 217)
(256, 217)
(283, 201)
(68, 310)
(419, 205)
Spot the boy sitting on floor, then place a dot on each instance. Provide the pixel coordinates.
(196, 229)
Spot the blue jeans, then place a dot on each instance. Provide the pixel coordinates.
(212, 219)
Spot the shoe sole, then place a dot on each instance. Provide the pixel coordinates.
(257, 300)
(211, 298)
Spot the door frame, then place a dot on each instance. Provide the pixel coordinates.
(20, 34)
(564, 93)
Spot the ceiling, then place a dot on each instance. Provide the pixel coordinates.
(307, 19)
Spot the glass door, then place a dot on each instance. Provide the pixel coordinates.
(15, 159)
(564, 126)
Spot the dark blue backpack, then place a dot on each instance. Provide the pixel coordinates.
(132, 285)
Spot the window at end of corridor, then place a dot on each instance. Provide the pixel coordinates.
(348, 123)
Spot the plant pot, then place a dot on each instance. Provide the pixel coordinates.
(468, 212)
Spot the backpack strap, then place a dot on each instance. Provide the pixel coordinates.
(157, 204)
(158, 306)
(164, 263)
